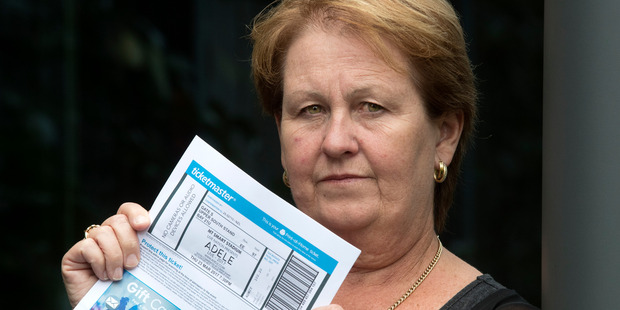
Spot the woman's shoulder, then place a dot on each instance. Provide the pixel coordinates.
(486, 293)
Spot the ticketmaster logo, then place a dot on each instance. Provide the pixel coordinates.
(199, 175)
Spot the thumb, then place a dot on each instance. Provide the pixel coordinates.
(137, 215)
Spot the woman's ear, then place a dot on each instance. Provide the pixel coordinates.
(278, 118)
(450, 129)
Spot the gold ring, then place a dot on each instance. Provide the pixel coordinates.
(88, 229)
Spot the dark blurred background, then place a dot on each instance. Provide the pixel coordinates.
(99, 98)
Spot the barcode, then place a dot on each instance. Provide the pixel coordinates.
(292, 287)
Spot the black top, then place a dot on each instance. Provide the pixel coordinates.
(486, 293)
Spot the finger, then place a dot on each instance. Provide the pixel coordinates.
(110, 246)
(137, 215)
(126, 238)
(85, 257)
(81, 266)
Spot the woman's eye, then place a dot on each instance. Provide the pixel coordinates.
(313, 109)
(373, 107)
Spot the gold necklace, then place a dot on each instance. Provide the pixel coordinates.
(422, 277)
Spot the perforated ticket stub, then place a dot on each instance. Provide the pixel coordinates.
(220, 240)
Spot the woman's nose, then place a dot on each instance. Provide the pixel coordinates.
(339, 137)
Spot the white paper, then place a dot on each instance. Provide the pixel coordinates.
(220, 240)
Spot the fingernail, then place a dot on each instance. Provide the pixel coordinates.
(118, 274)
(105, 276)
(132, 261)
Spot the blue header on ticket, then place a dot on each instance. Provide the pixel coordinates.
(260, 218)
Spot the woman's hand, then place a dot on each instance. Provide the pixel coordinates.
(107, 250)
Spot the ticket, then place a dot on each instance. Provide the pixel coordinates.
(220, 240)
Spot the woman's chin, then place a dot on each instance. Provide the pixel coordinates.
(342, 221)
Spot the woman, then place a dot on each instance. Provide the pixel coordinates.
(373, 100)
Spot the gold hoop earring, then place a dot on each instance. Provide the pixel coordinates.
(441, 173)
(285, 179)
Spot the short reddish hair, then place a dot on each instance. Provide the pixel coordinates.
(426, 32)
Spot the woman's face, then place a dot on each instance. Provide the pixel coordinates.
(356, 140)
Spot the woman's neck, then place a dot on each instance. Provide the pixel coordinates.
(379, 288)
(386, 268)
